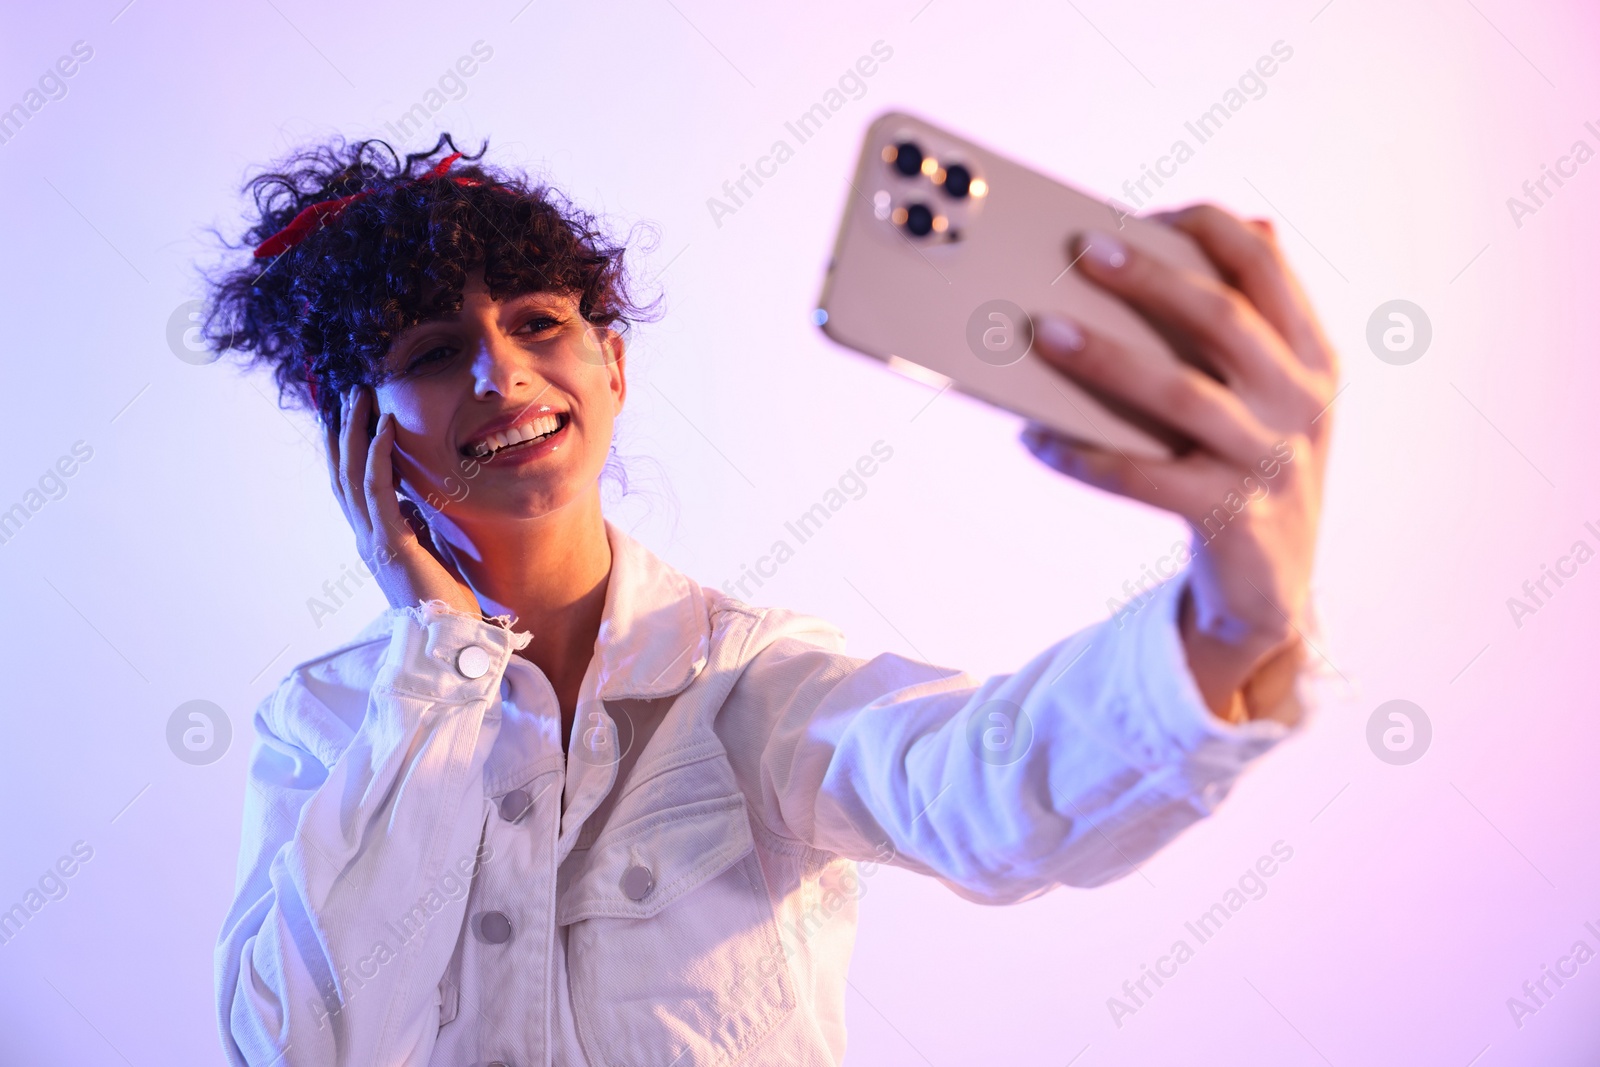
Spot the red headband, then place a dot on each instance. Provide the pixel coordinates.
(314, 216)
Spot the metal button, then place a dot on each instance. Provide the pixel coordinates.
(494, 927)
(515, 804)
(473, 661)
(637, 881)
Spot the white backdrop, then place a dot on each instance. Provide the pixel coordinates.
(175, 563)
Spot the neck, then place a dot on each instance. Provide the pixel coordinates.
(550, 574)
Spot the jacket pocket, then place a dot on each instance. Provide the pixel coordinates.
(673, 953)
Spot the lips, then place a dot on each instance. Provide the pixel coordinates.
(529, 431)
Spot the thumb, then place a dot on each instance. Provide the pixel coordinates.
(415, 518)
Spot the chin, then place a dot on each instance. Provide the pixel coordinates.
(464, 497)
(536, 503)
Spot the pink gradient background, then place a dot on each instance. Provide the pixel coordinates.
(179, 563)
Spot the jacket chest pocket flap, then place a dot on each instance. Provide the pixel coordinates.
(673, 953)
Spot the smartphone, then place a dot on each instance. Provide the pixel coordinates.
(946, 250)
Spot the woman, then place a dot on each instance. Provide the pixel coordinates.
(560, 803)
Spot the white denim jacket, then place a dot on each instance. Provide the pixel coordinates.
(425, 877)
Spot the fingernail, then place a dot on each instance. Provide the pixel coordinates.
(1058, 333)
(1056, 452)
(1064, 458)
(1104, 250)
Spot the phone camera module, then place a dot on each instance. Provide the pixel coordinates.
(918, 219)
(905, 157)
(957, 181)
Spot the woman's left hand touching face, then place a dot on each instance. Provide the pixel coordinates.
(1261, 437)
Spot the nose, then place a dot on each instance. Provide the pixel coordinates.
(499, 366)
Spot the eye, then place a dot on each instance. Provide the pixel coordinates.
(540, 322)
(432, 357)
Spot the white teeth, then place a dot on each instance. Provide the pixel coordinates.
(543, 426)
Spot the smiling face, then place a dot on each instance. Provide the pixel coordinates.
(505, 409)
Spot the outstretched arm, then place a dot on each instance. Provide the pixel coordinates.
(1071, 771)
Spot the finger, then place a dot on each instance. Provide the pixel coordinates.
(1169, 391)
(1217, 319)
(439, 549)
(378, 486)
(414, 518)
(353, 455)
(1249, 257)
(1159, 483)
(331, 454)
(1265, 227)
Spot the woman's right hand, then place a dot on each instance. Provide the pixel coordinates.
(391, 535)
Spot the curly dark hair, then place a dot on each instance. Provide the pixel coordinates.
(329, 307)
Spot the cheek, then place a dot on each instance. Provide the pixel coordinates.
(600, 422)
(410, 406)
(422, 426)
(591, 391)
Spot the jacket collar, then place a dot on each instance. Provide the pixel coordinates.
(655, 634)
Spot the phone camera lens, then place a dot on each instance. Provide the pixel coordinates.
(919, 220)
(906, 157)
(957, 180)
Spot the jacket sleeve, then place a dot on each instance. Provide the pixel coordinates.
(1071, 771)
(359, 839)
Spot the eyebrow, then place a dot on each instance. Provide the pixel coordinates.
(408, 336)
(455, 316)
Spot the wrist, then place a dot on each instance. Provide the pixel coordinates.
(1226, 662)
